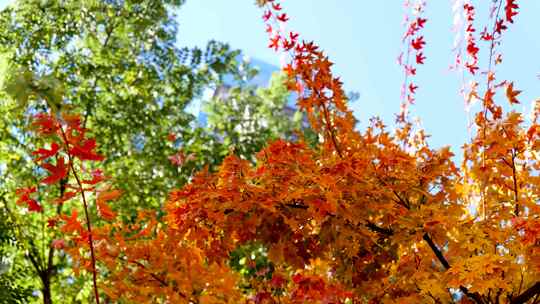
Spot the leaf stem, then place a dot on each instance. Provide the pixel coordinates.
(86, 214)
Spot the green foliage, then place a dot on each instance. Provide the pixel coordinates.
(251, 261)
(245, 117)
(14, 287)
(115, 63)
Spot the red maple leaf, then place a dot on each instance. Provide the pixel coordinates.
(58, 244)
(34, 206)
(297, 278)
(418, 43)
(420, 22)
(471, 67)
(97, 176)
(484, 35)
(45, 123)
(293, 36)
(73, 121)
(472, 49)
(24, 193)
(85, 151)
(58, 172)
(499, 26)
(412, 88)
(277, 281)
(420, 58)
(67, 196)
(288, 45)
(24, 197)
(283, 17)
(409, 70)
(52, 222)
(276, 6)
(267, 15)
(46, 153)
(510, 8)
(274, 43)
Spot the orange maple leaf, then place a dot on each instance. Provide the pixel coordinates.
(511, 93)
(72, 223)
(101, 202)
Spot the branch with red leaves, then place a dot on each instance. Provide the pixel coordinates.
(69, 149)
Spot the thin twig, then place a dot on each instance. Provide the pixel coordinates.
(86, 214)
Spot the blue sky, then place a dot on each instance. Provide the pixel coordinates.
(363, 39)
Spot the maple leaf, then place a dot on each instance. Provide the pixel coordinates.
(72, 223)
(418, 43)
(498, 59)
(58, 244)
(108, 195)
(472, 67)
(267, 15)
(410, 70)
(412, 88)
(85, 151)
(34, 206)
(97, 176)
(46, 123)
(511, 93)
(288, 45)
(276, 6)
(52, 222)
(484, 35)
(105, 211)
(46, 153)
(488, 96)
(472, 49)
(420, 22)
(24, 193)
(500, 26)
(298, 278)
(24, 197)
(274, 42)
(101, 202)
(283, 17)
(277, 281)
(73, 121)
(510, 8)
(420, 58)
(58, 172)
(67, 196)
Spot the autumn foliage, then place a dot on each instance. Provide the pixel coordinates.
(362, 217)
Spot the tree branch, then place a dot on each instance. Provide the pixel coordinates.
(527, 294)
(473, 295)
(373, 227)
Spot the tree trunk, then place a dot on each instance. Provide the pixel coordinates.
(46, 280)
